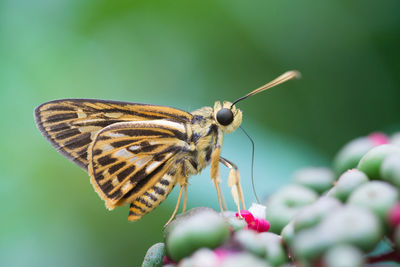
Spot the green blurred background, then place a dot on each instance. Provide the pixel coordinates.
(185, 54)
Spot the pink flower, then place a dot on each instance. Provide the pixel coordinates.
(394, 215)
(378, 138)
(167, 260)
(258, 224)
(222, 253)
(247, 216)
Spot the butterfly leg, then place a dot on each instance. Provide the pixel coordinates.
(222, 197)
(215, 177)
(176, 207)
(234, 183)
(184, 198)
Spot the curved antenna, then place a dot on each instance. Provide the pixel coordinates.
(252, 165)
(281, 79)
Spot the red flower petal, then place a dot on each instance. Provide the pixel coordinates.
(263, 225)
(253, 225)
(256, 224)
(248, 217)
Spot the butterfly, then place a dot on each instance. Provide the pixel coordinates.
(136, 153)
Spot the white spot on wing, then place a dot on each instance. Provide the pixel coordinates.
(175, 125)
(107, 148)
(134, 147)
(88, 129)
(81, 114)
(123, 153)
(111, 134)
(153, 142)
(165, 123)
(152, 166)
(126, 187)
(142, 161)
(113, 115)
(133, 159)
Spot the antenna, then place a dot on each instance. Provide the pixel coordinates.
(252, 164)
(289, 75)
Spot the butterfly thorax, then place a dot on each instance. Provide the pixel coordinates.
(205, 136)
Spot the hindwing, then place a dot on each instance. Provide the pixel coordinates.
(71, 125)
(128, 158)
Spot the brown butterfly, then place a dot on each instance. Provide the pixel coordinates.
(136, 153)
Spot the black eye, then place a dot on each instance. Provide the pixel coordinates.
(225, 116)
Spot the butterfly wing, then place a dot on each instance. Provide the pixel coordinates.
(127, 159)
(70, 125)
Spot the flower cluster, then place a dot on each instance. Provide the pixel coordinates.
(307, 223)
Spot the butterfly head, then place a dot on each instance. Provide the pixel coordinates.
(227, 116)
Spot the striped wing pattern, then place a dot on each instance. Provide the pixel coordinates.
(71, 125)
(155, 194)
(130, 150)
(132, 159)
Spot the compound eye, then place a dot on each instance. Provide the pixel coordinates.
(224, 116)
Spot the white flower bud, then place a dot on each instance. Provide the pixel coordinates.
(258, 210)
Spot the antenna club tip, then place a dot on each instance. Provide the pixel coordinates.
(295, 73)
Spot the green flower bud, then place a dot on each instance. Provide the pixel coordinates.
(312, 214)
(234, 222)
(395, 139)
(371, 162)
(275, 253)
(248, 240)
(288, 233)
(317, 179)
(349, 225)
(377, 196)
(353, 225)
(390, 169)
(196, 229)
(343, 256)
(310, 243)
(202, 257)
(154, 256)
(284, 205)
(348, 182)
(349, 156)
(244, 259)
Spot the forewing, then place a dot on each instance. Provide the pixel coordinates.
(70, 125)
(128, 158)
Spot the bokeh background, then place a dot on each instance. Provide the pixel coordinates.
(185, 54)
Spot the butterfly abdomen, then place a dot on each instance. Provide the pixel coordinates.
(151, 198)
